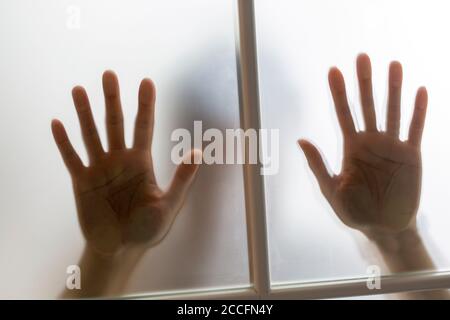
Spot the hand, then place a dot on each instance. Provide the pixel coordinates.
(118, 200)
(378, 188)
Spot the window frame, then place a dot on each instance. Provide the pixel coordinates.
(260, 286)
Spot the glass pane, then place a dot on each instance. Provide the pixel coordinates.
(298, 41)
(188, 49)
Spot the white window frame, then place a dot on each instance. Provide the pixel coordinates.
(260, 286)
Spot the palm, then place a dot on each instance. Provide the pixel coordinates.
(118, 187)
(380, 178)
(118, 200)
(378, 189)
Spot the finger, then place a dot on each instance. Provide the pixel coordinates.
(337, 87)
(114, 115)
(364, 71)
(183, 178)
(418, 118)
(68, 153)
(88, 130)
(143, 130)
(394, 99)
(317, 166)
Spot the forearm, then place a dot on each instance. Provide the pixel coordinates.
(95, 273)
(406, 252)
(104, 276)
(127, 262)
(403, 252)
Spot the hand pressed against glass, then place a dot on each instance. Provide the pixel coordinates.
(378, 188)
(118, 200)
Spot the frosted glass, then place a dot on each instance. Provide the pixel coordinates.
(187, 48)
(298, 41)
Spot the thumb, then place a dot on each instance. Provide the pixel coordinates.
(183, 178)
(317, 166)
